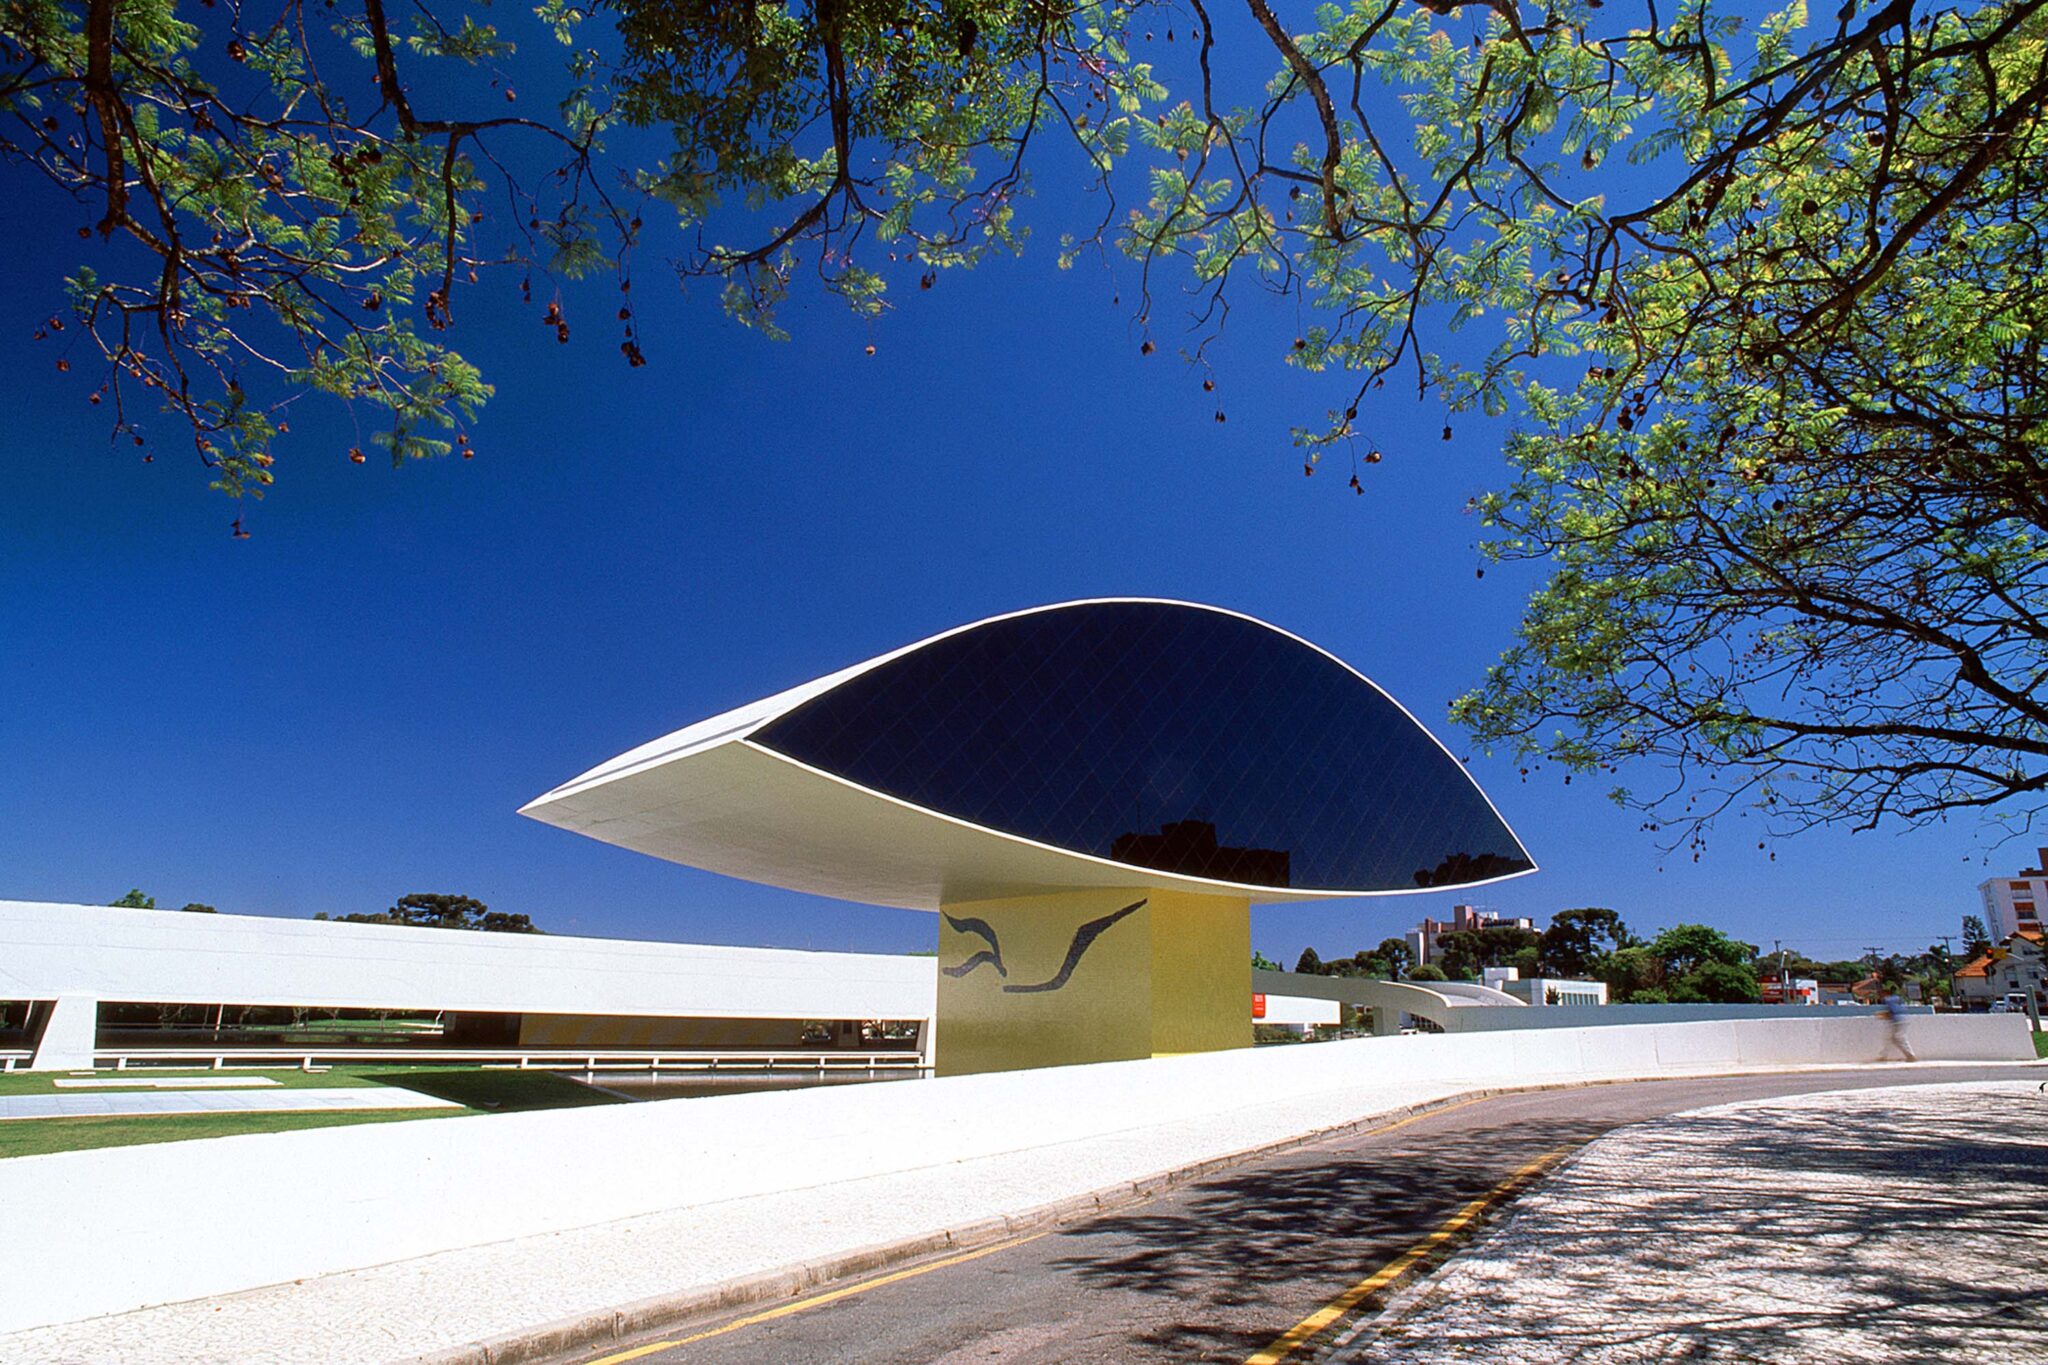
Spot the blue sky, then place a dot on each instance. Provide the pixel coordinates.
(352, 704)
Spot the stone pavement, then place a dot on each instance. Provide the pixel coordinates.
(1901, 1224)
(131, 1103)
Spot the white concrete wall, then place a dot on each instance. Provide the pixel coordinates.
(1599, 1016)
(239, 1212)
(1297, 1009)
(47, 951)
(68, 1035)
(1388, 1000)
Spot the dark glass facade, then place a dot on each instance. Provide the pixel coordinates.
(1164, 736)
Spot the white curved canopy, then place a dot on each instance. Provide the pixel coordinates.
(709, 796)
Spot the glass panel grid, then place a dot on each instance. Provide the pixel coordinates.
(1166, 736)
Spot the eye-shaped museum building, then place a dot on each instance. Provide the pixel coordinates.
(1091, 794)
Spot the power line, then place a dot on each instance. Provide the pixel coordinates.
(1867, 939)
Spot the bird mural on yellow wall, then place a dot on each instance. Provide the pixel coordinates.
(1084, 938)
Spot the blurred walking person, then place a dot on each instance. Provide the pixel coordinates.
(1893, 1012)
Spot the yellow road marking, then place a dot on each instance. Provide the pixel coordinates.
(1291, 1340)
(818, 1300)
(815, 1301)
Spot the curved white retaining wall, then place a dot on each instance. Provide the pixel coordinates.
(104, 1231)
(1603, 1016)
(1461, 1007)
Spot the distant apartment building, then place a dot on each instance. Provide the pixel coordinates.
(1422, 938)
(2012, 905)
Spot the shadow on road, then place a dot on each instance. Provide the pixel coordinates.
(1284, 1238)
(1862, 1230)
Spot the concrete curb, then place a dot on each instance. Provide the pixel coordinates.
(619, 1326)
(1401, 1297)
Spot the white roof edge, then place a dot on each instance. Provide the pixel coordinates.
(742, 721)
(231, 921)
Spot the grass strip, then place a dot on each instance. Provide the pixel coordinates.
(45, 1082)
(477, 1089)
(37, 1137)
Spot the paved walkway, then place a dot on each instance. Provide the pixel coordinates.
(1877, 1225)
(123, 1081)
(214, 1102)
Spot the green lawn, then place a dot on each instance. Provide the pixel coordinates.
(44, 1082)
(493, 1087)
(33, 1137)
(2041, 1044)
(479, 1090)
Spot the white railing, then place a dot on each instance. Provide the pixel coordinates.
(539, 1059)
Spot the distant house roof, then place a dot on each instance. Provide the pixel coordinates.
(1981, 965)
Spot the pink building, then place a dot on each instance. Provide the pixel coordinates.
(1422, 938)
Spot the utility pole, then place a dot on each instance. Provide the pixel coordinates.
(1784, 973)
(1948, 958)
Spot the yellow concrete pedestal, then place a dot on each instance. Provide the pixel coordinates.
(1091, 976)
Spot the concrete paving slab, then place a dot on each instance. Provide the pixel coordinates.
(116, 1104)
(1876, 1225)
(132, 1082)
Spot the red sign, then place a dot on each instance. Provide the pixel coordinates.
(1258, 1005)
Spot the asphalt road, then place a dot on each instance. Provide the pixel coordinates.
(1220, 1269)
